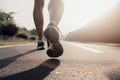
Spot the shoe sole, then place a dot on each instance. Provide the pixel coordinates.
(52, 37)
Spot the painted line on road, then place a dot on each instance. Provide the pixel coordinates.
(88, 48)
(7, 46)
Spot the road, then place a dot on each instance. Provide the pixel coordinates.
(80, 61)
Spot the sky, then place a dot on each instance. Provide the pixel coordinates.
(76, 15)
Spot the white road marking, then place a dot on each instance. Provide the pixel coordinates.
(90, 49)
(87, 48)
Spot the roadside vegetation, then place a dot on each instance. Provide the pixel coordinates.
(10, 32)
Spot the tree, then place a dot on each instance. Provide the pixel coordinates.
(7, 25)
(1, 16)
(6, 17)
(22, 35)
(9, 29)
(33, 32)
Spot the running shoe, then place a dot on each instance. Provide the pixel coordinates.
(55, 48)
(40, 45)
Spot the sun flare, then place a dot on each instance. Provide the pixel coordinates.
(80, 12)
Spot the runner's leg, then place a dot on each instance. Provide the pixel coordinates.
(55, 8)
(38, 20)
(38, 17)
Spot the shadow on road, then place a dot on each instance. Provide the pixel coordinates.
(37, 73)
(5, 62)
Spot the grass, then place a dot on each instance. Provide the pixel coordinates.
(15, 41)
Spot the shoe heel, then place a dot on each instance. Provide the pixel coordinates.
(52, 35)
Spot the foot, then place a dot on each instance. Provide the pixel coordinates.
(40, 45)
(55, 48)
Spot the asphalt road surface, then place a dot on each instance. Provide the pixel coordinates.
(80, 61)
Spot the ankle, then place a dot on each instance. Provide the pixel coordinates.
(52, 24)
(40, 41)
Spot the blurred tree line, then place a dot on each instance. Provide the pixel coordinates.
(8, 28)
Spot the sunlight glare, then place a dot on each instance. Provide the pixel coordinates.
(80, 12)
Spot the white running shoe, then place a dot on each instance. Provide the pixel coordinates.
(55, 48)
